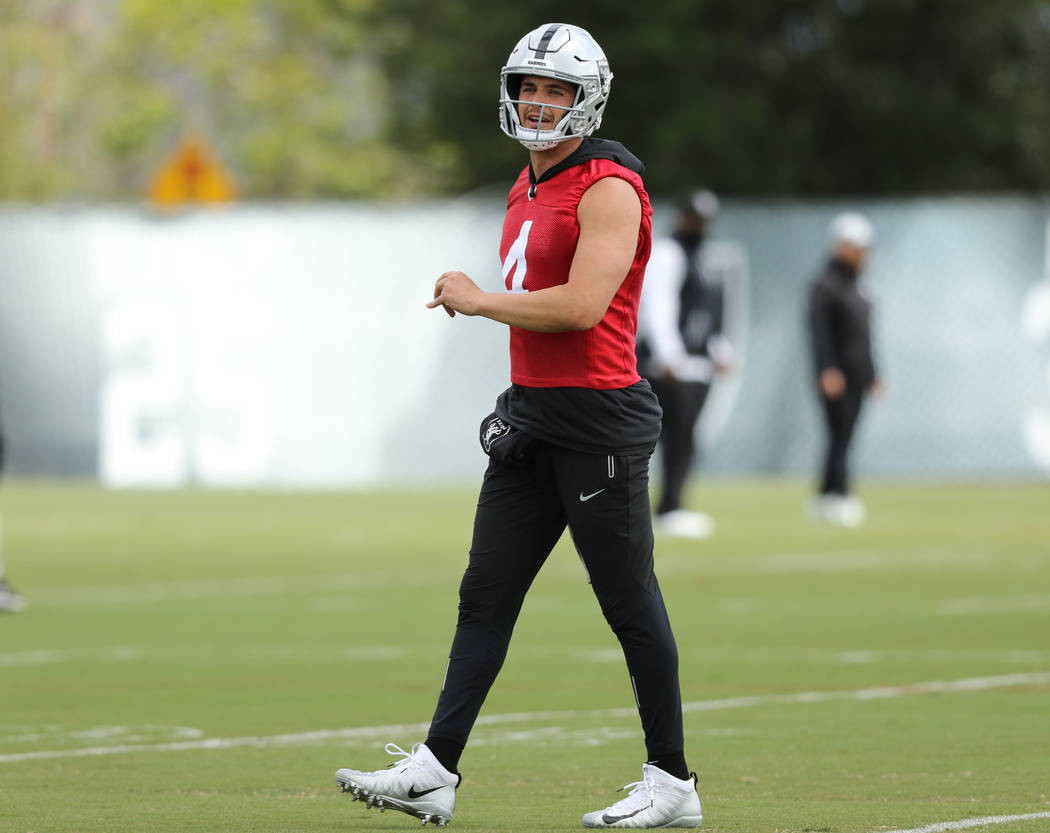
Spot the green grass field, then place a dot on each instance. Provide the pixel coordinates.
(205, 661)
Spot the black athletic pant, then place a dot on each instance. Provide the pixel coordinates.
(840, 415)
(521, 514)
(681, 403)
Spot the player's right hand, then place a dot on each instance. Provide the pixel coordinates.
(456, 292)
(832, 382)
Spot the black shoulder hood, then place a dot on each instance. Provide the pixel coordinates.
(592, 149)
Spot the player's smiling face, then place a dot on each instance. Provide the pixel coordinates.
(544, 101)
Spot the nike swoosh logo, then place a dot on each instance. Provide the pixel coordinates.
(613, 819)
(584, 498)
(413, 794)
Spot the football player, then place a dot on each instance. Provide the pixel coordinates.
(568, 442)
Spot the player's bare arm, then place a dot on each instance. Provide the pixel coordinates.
(609, 215)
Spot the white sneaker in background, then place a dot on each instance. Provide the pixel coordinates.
(658, 800)
(10, 599)
(850, 511)
(840, 510)
(417, 784)
(681, 523)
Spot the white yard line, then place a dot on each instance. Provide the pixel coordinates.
(320, 586)
(390, 653)
(17, 658)
(903, 559)
(386, 732)
(966, 824)
(325, 585)
(995, 604)
(188, 590)
(116, 654)
(879, 692)
(260, 741)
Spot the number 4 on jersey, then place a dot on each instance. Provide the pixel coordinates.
(515, 259)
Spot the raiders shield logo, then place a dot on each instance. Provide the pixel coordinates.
(491, 431)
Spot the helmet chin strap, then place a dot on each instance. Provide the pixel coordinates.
(538, 145)
(542, 138)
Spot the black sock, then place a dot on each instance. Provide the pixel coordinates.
(673, 763)
(447, 752)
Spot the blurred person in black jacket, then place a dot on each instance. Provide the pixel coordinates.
(681, 349)
(839, 318)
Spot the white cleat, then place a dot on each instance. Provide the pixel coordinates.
(682, 523)
(850, 512)
(417, 784)
(10, 599)
(839, 510)
(658, 800)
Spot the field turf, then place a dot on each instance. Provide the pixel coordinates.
(205, 661)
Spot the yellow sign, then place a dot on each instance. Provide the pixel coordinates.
(192, 175)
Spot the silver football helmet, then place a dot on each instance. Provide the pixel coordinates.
(565, 52)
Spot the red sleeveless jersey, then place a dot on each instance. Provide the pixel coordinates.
(538, 245)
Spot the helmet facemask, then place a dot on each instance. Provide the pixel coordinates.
(536, 138)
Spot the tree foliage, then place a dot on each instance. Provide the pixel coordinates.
(288, 92)
(752, 97)
(336, 98)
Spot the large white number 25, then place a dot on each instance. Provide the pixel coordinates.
(516, 258)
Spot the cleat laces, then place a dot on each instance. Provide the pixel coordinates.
(407, 758)
(640, 797)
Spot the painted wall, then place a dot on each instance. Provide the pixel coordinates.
(290, 346)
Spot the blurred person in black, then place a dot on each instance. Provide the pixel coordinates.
(681, 348)
(10, 599)
(839, 319)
